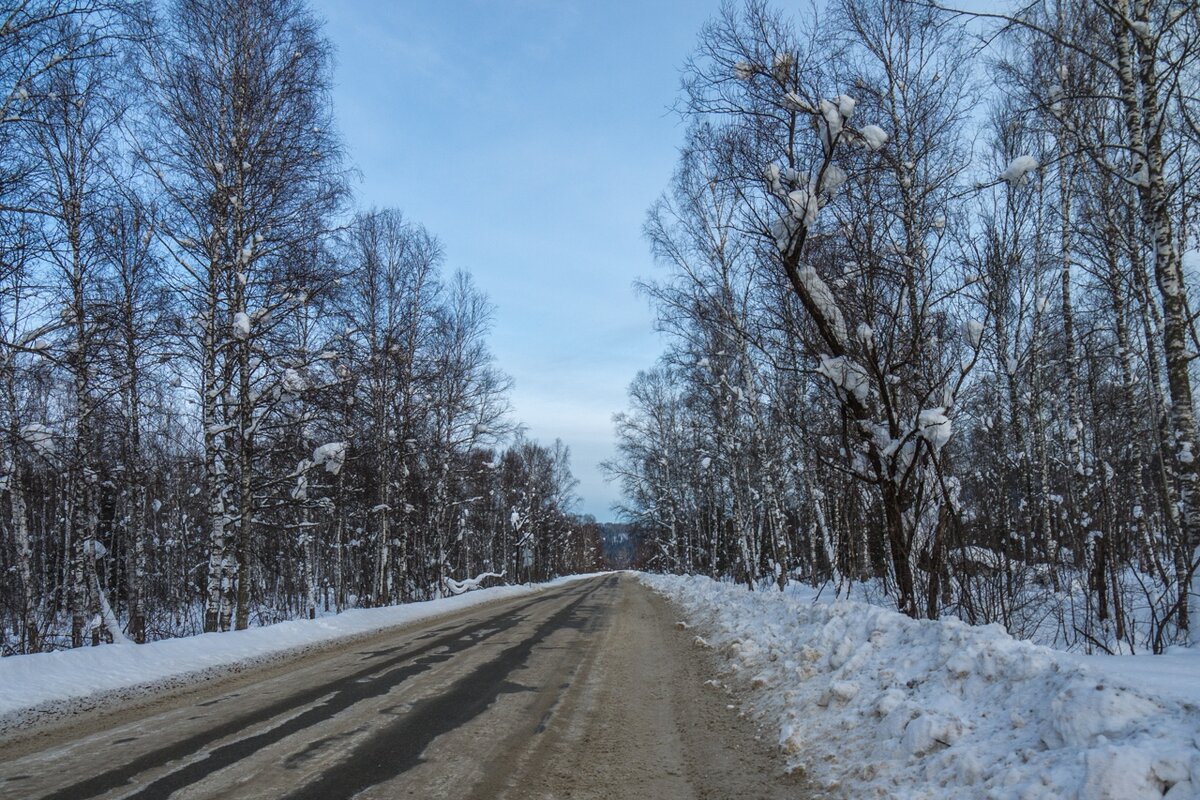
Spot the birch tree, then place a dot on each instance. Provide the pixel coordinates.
(243, 151)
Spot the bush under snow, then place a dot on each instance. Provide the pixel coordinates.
(870, 703)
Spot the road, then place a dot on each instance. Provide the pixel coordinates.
(589, 690)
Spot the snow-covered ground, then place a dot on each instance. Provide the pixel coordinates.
(870, 703)
(43, 685)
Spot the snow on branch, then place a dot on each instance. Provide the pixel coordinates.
(1018, 168)
(332, 455)
(846, 375)
(822, 297)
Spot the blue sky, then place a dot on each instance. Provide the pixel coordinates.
(530, 136)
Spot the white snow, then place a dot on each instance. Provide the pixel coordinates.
(772, 173)
(846, 375)
(293, 381)
(833, 119)
(866, 334)
(803, 205)
(794, 102)
(973, 332)
(94, 548)
(1016, 170)
(833, 179)
(241, 325)
(782, 63)
(870, 703)
(332, 455)
(40, 438)
(874, 137)
(822, 298)
(460, 587)
(36, 687)
(935, 426)
(783, 230)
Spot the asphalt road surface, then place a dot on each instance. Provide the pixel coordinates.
(584, 691)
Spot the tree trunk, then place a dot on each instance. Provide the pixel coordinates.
(1142, 122)
(900, 544)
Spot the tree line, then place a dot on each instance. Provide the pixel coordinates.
(927, 297)
(226, 398)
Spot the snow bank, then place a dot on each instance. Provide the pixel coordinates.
(36, 687)
(870, 703)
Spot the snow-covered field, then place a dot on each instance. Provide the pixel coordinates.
(45, 685)
(870, 703)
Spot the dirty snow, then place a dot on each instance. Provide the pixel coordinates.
(869, 703)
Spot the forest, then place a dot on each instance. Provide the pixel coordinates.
(925, 279)
(228, 397)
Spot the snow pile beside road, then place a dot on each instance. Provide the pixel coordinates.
(870, 703)
(34, 688)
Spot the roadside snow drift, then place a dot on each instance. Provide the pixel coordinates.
(34, 688)
(870, 703)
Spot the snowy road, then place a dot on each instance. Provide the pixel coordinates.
(584, 691)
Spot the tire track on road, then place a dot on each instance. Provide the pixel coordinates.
(397, 747)
(343, 692)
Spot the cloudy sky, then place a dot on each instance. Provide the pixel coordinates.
(530, 136)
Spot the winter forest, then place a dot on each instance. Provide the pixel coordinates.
(925, 282)
(922, 274)
(228, 396)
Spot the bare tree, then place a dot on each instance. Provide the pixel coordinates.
(243, 151)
